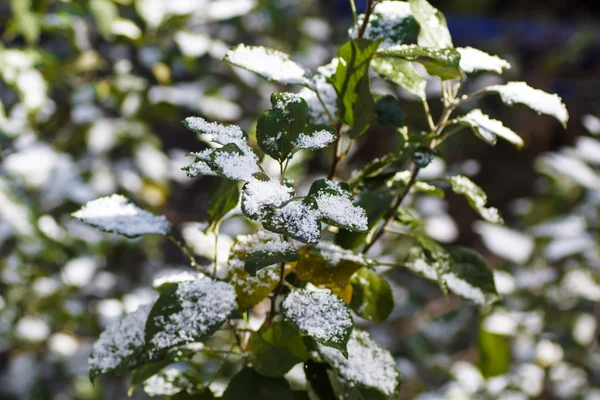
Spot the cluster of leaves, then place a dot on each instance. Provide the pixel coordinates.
(315, 279)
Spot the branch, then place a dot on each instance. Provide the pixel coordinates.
(368, 11)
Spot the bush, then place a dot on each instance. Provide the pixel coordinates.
(286, 293)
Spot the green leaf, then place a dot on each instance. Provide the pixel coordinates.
(476, 197)
(145, 371)
(249, 384)
(350, 392)
(402, 73)
(372, 296)
(188, 312)
(422, 156)
(274, 350)
(433, 27)
(105, 13)
(402, 178)
(464, 271)
(376, 202)
(351, 83)
(388, 111)
(297, 219)
(267, 63)
(251, 290)
(538, 100)
(117, 214)
(368, 365)
(223, 200)
(120, 346)
(336, 205)
(173, 380)
(494, 353)
(261, 196)
(390, 21)
(315, 137)
(319, 315)
(268, 253)
(444, 63)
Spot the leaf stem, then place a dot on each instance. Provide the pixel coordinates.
(186, 252)
(277, 291)
(354, 15)
(216, 232)
(329, 116)
(428, 114)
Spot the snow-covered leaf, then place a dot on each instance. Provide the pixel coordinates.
(120, 346)
(476, 196)
(351, 83)
(391, 21)
(444, 62)
(433, 27)
(487, 128)
(320, 315)
(467, 275)
(299, 220)
(402, 73)
(318, 112)
(188, 312)
(249, 384)
(375, 201)
(219, 133)
(231, 162)
(506, 243)
(250, 289)
(367, 366)
(538, 100)
(258, 196)
(473, 60)
(328, 264)
(275, 349)
(117, 214)
(372, 296)
(271, 251)
(336, 205)
(267, 63)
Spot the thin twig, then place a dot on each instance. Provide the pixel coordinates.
(392, 211)
(428, 114)
(277, 291)
(337, 149)
(354, 15)
(238, 340)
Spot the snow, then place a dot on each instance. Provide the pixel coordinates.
(268, 63)
(120, 340)
(258, 194)
(234, 165)
(202, 242)
(200, 167)
(472, 60)
(79, 271)
(300, 220)
(335, 203)
(387, 18)
(314, 141)
(117, 214)
(476, 196)
(506, 243)
(368, 364)
(489, 127)
(219, 133)
(175, 277)
(273, 244)
(320, 315)
(204, 305)
(453, 282)
(571, 167)
(538, 100)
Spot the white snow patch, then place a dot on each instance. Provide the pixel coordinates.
(506, 243)
(472, 60)
(314, 141)
(117, 214)
(268, 63)
(489, 126)
(540, 101)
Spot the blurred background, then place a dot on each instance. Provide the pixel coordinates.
(92, 94)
